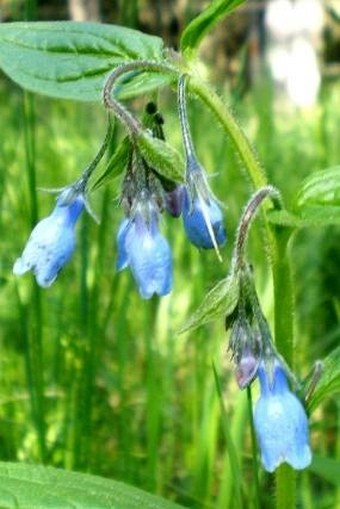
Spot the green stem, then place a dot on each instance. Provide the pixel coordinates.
(233, 130)
(283, 296)
(257, 498)
(283, 312)
(285, 487)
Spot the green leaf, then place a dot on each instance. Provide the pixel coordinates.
(204, 22)
(329, 382)
(319, 215)
(309, 216)
(284, 218)
(23, 486)
(114, 167)
(71, 60)
(219, 302)
(321, 188)
(162, 157)
(327, 468)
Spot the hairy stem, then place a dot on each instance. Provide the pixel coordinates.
(247, 218)
(233, 130)
(118, 109)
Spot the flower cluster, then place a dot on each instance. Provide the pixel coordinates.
(145, 195)
(280, 419)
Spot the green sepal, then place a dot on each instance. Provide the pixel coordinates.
(161, 157)
(220, 302)
(114, 167)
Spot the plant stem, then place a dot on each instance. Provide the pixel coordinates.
(257, 500)
(248, 217)
(118, 109)
(283, 296)
(285, 487)
(283, 312)
(233, 130)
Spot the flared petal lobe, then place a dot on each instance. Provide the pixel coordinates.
(280, 422)
(51, 244)
(142, 247)
(195, 223)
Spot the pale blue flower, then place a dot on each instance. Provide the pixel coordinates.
(51, 243)
(142, 248)
(280, 422)
(197, 214)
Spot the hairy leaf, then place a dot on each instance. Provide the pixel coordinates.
(321, 188)
(160, 156)
(329, 382)
(71, 60)
(219, 302)
(308, 216)
(23, 486)
(204, 22)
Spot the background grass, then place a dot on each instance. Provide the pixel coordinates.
(94, 379)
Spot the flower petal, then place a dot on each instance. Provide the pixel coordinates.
(150, 262)
(195, 224)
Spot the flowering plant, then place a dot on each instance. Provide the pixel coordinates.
(110, 64)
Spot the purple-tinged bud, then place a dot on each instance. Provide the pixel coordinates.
(246, 350)
(246, 369)
(174, 201)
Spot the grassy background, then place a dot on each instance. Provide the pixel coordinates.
(92, 378)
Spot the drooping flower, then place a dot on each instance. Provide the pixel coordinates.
(142, 248)
(202, 215)
(203, 221)
(280, 422)
(52, 241)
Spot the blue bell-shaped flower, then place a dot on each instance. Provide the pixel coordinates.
(280, 422)
(203, 220)
(142, 248)
(52, 241)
